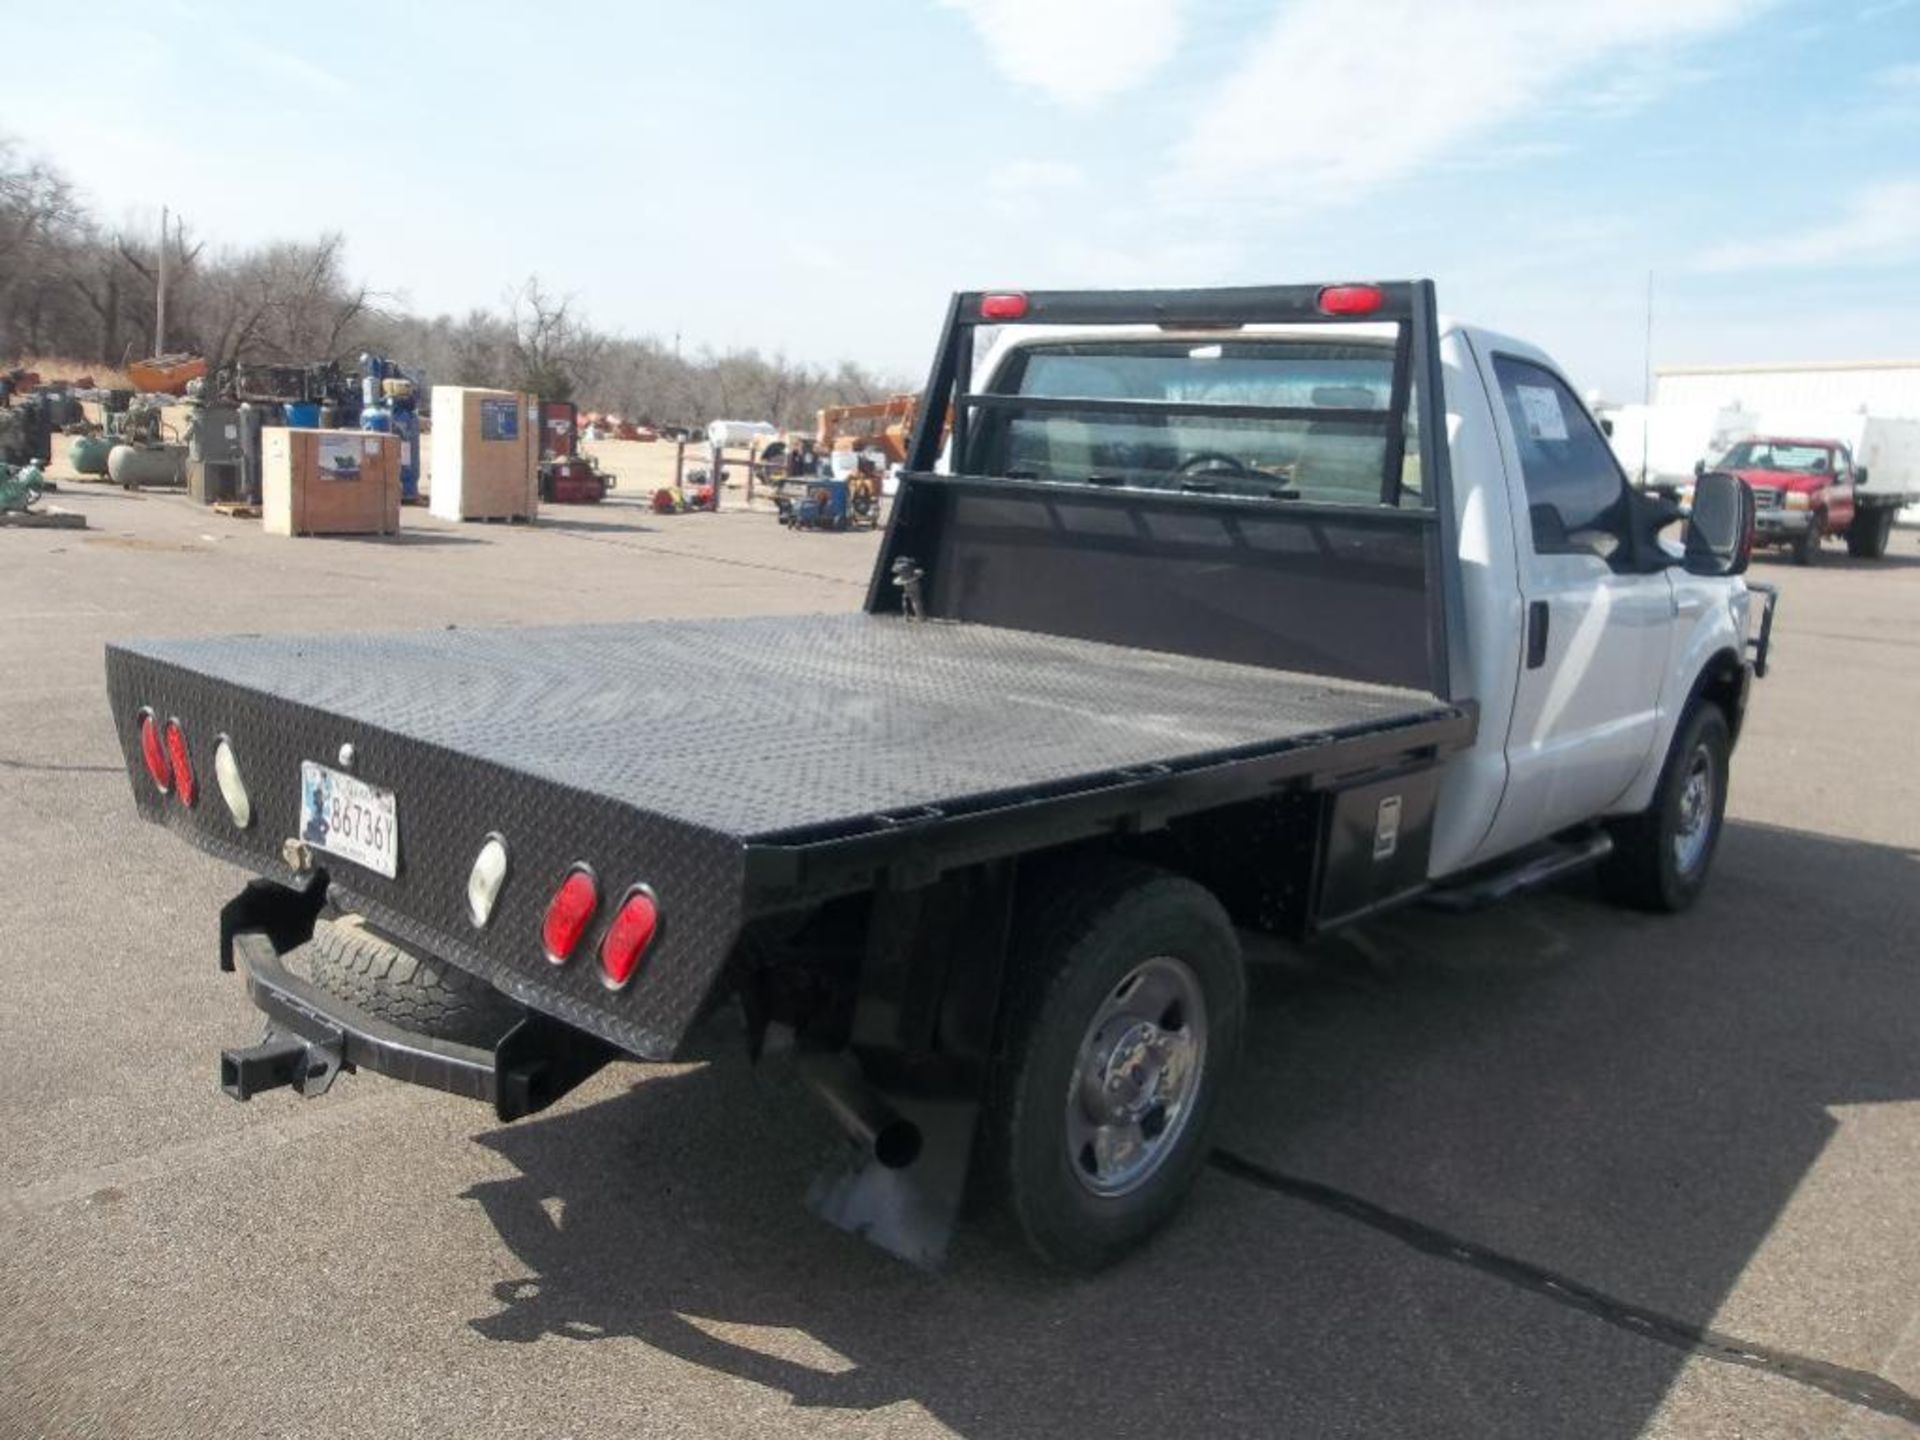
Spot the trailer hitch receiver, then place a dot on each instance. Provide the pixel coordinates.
(308, 1066)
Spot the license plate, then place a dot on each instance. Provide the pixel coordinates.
(349, 818)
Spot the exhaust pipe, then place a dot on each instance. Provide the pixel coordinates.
(883, 1132)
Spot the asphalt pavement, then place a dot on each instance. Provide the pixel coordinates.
(1547, 1170)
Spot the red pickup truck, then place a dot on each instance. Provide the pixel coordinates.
(1803, 490)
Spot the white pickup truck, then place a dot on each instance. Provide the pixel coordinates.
(1218, 617)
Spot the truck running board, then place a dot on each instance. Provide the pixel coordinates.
(1533, 868)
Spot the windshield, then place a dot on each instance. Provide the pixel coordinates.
(1778, 455)
(1339, 459)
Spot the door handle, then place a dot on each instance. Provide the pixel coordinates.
(1537, 613)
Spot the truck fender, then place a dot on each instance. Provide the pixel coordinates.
(1722, 678)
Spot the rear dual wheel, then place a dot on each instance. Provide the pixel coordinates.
(1868, 533)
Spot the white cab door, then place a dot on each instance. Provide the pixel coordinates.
(1597, 613)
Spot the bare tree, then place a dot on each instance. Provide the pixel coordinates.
(554, 353)
(73, 288)
(40, 217)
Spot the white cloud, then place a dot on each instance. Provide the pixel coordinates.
(1327, 107)
(1024, 179)
(811, 254)
(1880, 225)
(1077, 52)
(272, 60)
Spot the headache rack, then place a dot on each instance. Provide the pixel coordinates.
(957, 534)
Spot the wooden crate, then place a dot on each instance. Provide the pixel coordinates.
(486, 454)
(329, 482)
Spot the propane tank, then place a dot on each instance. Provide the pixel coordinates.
(87, 454)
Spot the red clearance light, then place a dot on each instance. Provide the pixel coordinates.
(154, 753)
(183, 781)
(1011, 305)
(568, 914)
(1351, 299)
(628, 937)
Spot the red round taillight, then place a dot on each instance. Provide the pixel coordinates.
(628, 937)
(569, 913)
(154, 752)
(183, 781)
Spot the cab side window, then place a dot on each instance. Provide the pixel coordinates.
(1576, 494)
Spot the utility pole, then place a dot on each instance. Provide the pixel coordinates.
(160, 292)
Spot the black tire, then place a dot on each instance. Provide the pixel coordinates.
(1869, 532)
(1806, 545)
(411, 991)
(1093, 931)
(1645, 870)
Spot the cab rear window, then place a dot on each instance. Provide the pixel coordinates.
(1336, 457)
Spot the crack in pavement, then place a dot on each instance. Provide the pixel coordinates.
(50, 768)
(1855, 1387)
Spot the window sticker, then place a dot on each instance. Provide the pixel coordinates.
(1541, 408)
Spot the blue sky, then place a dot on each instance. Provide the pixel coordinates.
(817, 178)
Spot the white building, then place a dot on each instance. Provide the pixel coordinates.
(1888, 388)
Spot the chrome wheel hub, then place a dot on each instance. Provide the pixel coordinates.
(1694, 827)
(1137, 1077)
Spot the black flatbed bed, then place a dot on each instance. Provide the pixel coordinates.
(798, 728)
(1095, 665)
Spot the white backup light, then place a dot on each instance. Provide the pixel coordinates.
(233, 790)
(484, 884)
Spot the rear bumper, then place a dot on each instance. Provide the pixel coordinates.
(313, 1036)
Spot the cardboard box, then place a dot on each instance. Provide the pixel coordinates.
(486, 454)
(329, 482)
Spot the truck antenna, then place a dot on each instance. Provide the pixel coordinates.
(1646, 384)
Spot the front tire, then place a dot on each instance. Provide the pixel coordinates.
(1806, 545)
(1127, 1003)
(1661, 856)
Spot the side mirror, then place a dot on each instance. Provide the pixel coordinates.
(1859, 474)
(1699, 468)
(1719, 539)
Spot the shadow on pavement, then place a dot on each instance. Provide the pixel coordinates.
(1625, 1100)
(549, 521)
(1834, 556)
(406, 538)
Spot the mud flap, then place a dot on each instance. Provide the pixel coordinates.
(908, 1211)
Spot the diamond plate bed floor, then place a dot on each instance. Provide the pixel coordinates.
(755, 727)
